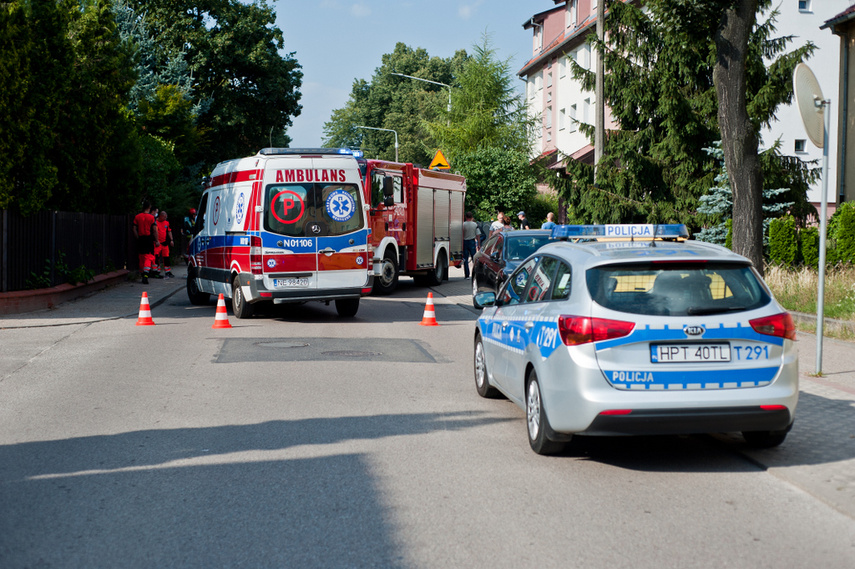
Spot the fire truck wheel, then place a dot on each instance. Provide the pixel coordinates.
(387, 282)
(438, 274)
(240, 307)
(347, 307)
(196, 297)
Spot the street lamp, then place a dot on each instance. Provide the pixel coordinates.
(387, 130)
(429, 81)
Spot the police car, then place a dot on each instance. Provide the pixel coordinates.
(633, 329)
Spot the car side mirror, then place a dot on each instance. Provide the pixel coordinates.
(487, 299)
(389, 201)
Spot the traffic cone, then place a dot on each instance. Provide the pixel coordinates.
(429, 318)
(145, 312)
(221, 320)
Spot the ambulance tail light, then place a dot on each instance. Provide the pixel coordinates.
(576, 330)
(256, 263)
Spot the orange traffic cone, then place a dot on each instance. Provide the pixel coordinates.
(221, 320)
(429, 319)
(145, 312)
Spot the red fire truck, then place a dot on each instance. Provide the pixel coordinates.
(416, 222)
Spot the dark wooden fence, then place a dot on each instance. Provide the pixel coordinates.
(37, 248)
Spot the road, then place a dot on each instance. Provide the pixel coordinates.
(298, 439)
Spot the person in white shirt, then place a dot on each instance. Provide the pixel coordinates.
(471, 240)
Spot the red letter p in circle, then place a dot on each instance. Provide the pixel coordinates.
(287, 207)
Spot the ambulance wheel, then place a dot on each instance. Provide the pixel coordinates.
(196, 296)
(347, 307)
(482, 379)
(387, 282)
(536, 421)
(438, 274)
(240, 307)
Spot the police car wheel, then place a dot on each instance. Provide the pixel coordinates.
(347, 307)
(240, 307)
(536, 420)
(482, 379)
(764, 439)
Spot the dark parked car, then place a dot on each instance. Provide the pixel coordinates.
(500, 255)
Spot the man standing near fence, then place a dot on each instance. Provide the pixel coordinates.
(145, 233)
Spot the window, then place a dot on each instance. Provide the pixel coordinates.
(377, 197)
(570, 14)
(804, 5)
(541, 280)
(548, 117)
(549, 79)
(514, 290)
(799, 145)
(562, 67)
(562, 119)
(586, 105)
(561, 283)
(573, 126)
(312, 209)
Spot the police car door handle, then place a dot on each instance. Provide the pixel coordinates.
(505, 324)
(528, 325)
(328, 251)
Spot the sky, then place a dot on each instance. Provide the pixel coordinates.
(339, 41)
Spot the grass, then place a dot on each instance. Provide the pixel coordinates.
(797, 290)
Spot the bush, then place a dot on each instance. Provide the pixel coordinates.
(809, 245)
(842, 234)
(783, 242)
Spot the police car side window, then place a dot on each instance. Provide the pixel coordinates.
(561, 283)
(514, 291)
(541, 280)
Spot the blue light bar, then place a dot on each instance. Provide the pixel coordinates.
(309, 151)
(621, 231)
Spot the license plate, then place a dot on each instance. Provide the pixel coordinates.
(682, 353)
(290, 283)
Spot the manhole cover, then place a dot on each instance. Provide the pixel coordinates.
(352, 354)
(282, 344)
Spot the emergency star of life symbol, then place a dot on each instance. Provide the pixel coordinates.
(340, 205)
(239, 210)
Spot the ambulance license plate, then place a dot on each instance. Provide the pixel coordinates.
(291, 283)
(682, 353)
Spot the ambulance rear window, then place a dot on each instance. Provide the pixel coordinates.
(312, 210)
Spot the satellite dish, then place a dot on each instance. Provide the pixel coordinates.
(809, 99)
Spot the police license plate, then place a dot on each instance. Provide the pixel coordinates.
(291, 283)
(681, 353)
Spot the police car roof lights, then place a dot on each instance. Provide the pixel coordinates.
(309, 151)
(647, 231)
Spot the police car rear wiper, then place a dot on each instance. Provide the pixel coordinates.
(701, 310)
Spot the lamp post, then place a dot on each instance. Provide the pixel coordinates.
(429, 81)
(387, 130)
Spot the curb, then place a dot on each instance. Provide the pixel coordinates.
(20, 301)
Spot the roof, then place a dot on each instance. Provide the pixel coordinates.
(556, 45)
(843, 17)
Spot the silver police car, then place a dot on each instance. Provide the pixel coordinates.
(632, 329)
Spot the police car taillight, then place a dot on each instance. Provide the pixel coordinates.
(256, 263)
(780, 325)
(577, 330)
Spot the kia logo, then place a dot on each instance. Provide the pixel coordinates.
(694, 330)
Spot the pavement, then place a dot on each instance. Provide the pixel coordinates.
(818, 455)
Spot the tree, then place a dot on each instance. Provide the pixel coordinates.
(246, 92)
(397, 103)
(661, 89)
(497, 178)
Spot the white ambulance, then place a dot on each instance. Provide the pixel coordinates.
(285, 225)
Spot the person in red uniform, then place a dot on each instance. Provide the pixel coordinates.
(161, 253)
(145, 233)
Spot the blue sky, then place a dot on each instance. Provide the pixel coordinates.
(339, 41)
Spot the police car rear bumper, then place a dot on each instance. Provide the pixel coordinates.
(685, 421)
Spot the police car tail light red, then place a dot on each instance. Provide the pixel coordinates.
(577, 330)
(780, 325)
(256, 264)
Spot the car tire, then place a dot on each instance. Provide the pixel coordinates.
(765, 439)
(482, 378)
(347, 307)
(537, 423)
(196, 297)
(240, 307)
(475, 291)
(387, 281)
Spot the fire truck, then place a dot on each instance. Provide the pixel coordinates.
(285, 225)
(416, 221)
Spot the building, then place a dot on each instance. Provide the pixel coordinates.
(843, 25)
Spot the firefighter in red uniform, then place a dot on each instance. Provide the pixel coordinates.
(161, 253)
(145, 233)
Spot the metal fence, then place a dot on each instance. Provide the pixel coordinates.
(41, 249)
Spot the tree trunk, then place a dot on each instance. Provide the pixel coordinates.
(738, 135)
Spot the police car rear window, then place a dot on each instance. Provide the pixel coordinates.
(677, 289)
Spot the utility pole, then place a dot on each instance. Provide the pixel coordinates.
(600, 112)
(385, 130)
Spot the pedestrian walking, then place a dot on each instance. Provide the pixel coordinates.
(145, 234)
(161, 252)
(471, 239)
(550, 221)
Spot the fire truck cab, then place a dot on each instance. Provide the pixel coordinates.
(286, 225)
(416, 220)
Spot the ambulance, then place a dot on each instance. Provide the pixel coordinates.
(283, 226)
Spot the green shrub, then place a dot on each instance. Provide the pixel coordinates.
(783, 242)
(843, 234)
(809, 245)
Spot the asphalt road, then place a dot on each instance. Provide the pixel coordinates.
(299, 439)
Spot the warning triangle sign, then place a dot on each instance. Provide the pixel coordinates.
(439, 162)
